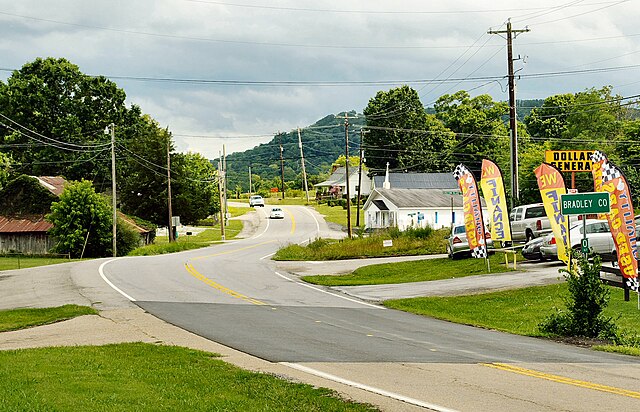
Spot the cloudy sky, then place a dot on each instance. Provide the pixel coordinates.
(235, 72)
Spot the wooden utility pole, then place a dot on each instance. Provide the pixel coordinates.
(250, 191)
(171, 234)
(346, 173)
(281, 165)
(362, 133)
(113, 184)
(513, 129)
(224, 173)
(304, 172)
(220, 193)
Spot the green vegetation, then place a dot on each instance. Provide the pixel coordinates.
(416, 242)
(14, 319)
(144, 377)
(202, 239)
(338, 215)
(520, 311)
(10, 262)
(412, 271)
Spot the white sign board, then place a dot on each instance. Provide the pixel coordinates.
(387, 243)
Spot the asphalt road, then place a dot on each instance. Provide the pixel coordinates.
(233, 294)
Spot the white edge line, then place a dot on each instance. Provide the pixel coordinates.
(266, 228)
(329, 293)
(316, 220)
(367, 388)
(102, 275)
(269, 255)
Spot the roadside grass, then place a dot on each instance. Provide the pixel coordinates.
(14, 319)
(519, 311)
(202, 239)
(338, 215)
(24, 261)
(370, 246)
(146, 377)
(412, 271)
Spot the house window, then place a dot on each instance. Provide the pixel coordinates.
(453, 217)
(436, 218)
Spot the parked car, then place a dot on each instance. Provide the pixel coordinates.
(529, 222)
(457, 245)
(598, 234)
(531, 250)
(256, 200)
(276, 213)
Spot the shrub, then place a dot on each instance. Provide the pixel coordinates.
(588, 297)
(127, 238)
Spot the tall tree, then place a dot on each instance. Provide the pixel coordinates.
(196, 191)
(403, 134)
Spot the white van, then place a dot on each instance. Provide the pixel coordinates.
(256, 200)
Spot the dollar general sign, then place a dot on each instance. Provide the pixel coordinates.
(569, 160)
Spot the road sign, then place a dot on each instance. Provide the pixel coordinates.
(585, 246)
(584, 203)
(452, 192)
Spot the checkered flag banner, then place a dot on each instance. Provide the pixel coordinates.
(609, 172)
(598, 156)
(479, 252)
(633, 284)
(460, 171)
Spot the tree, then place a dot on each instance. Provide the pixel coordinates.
(400, 132)
(196, 190)
(478, 123)
(81, 215)
(55, 116)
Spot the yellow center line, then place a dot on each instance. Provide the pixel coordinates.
(565, 380)
(233, 250)
(219, 287)
(293, 221)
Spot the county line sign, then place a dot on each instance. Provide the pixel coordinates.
(585, 203)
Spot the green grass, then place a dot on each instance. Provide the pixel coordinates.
(338, 215)
(517, 311)
(145, 377)
(202, 239)
(369, 246)
(14, 319)
(21, 262)
(413, 271)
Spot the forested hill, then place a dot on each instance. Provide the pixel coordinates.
(322, 143)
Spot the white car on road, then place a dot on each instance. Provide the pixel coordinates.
(256, 200)
(598, 235)
(276, 213)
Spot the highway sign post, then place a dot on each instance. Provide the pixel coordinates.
(584, 204)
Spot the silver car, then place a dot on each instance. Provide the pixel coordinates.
(598, 234)
(457, 245)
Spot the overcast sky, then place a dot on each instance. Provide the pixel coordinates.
(323, 50)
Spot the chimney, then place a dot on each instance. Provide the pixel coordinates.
(386, 184)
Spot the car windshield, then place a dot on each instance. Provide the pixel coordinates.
(458, 229)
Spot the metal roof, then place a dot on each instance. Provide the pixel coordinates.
(24, 224)
(418, 181)
(55, 184)
(337, 178)
(419, 198)
(380, 204)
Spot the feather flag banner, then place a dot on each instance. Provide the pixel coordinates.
(493, 192)
(551, 185)
(473, 222)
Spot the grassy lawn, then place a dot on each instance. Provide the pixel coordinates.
(21, 262)
(145, 377)
(15, 319)
(338, 215)
(404, 244)
(517, 311)
(413, 271)
(202, 239)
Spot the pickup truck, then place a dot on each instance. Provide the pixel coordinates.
(528, 222)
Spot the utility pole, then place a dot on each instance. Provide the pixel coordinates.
(171, 234)
(113, 184)
(304, 172)
(250, 191)
(224, 173)
(513, 129)
(362, 133)
(281, 165)
(346, 172)
(220, 193)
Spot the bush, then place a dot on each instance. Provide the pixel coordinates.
(587, 300)
(127, 238)
(210, 221)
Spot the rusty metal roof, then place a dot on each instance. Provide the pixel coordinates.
(55, 184)
(24, 224)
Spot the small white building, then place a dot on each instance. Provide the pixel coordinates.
(336, 185)
(404, 208)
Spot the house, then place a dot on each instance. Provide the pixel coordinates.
(24, 202)
(336, 185)
(444, 181)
